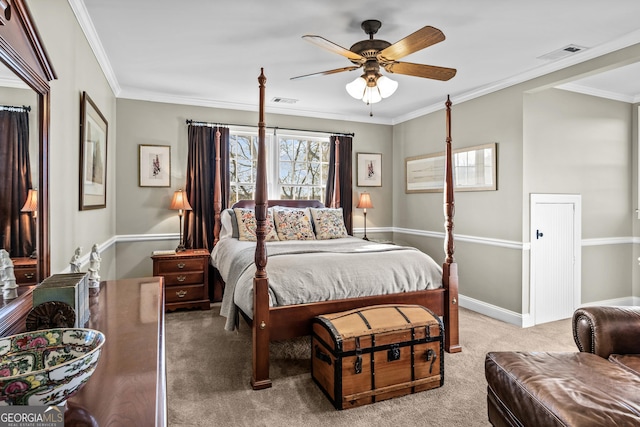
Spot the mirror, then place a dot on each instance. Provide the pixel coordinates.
(19, 166)
(23, 53)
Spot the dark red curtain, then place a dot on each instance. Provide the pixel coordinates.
(345, 172)
(17, 229)
(201, 162)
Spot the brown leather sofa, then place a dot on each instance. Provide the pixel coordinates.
(597, 386)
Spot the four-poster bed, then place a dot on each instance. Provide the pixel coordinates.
(273, 323)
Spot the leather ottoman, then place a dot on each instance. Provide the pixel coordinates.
(560, 389)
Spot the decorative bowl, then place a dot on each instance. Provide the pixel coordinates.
(48, 366)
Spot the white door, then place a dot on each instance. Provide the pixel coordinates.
(555, 256)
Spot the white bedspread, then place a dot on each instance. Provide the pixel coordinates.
(320, 270)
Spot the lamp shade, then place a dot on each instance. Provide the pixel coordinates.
(387, 86)
(365, 201)
(179, 201)
(356, 88)
(31, 205)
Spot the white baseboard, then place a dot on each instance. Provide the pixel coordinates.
(526, 320)
(491, 310)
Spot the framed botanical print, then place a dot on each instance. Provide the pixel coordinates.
(154, 165)
(369, 169)
(93, 156)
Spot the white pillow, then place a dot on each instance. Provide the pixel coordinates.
(226, 227)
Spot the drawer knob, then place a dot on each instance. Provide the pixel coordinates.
(181, 293)
(181, 265)
(181, 278)
(29, 275)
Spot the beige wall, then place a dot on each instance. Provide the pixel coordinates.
(580, 144)
(548, 141)
(143, 210)
(77, 71)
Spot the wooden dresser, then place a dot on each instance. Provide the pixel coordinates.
(128, 387)
(186, 278)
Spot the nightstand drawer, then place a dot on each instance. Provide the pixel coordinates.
(177, 265)
(184, 278)
(25, 276)
(183, 293)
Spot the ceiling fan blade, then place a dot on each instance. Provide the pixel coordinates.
(326, 73)
(422, 38)
(421, 70)
(332, 47)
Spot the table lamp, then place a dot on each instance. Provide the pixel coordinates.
(180, 203)
(364, 203)
(31, 206)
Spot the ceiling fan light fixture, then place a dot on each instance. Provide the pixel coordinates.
(356, 88)
(387, 86)
(371, 95)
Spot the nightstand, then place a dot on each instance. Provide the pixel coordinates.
(25, 271)
(186, 278)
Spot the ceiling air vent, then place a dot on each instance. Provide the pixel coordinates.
(562, 53)
(284, 100)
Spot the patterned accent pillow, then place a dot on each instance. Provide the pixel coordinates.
(329, 223)
(293, 224)
(246, 220)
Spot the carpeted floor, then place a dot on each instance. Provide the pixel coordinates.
(208, 371)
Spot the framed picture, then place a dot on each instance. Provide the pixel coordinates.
(154, 165)
(474, 169)
(369, 169)
(93, 156)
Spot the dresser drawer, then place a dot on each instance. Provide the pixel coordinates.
(177, 265)
(184, 278)
(183, 293)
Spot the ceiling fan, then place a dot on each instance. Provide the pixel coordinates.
(373, 54)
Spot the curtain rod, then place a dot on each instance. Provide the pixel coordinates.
(14, 108)
(196, 123)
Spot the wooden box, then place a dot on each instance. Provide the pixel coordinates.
(70, 288)
(375, 353)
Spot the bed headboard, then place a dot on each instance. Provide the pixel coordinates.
(286, 203)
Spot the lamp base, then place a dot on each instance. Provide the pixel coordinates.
(365, 237)
(181, 248)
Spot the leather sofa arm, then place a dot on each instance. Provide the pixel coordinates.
(607, 330)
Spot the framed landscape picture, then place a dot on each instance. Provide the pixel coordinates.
(154, 165)
(93, 156)
(369, 169)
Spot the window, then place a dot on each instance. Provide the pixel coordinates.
(303, 166)
(297, 165)
(243, 157)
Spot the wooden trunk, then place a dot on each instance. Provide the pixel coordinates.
(375, 353)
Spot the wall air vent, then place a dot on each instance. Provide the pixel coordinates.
(284, 100)
(562, 53)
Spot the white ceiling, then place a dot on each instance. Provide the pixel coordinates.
(203, 52)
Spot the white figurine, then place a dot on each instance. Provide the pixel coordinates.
(9, 286)
(74, 264)
(94, 267)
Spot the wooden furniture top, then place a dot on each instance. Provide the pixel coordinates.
(128, 386)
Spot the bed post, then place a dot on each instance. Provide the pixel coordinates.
(450, 267)
(260, 325)
(335, 200)
(217, 191)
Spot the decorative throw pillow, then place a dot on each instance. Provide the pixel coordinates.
(234, 223)
(293, 224)
(329, 223)
(247, 223)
